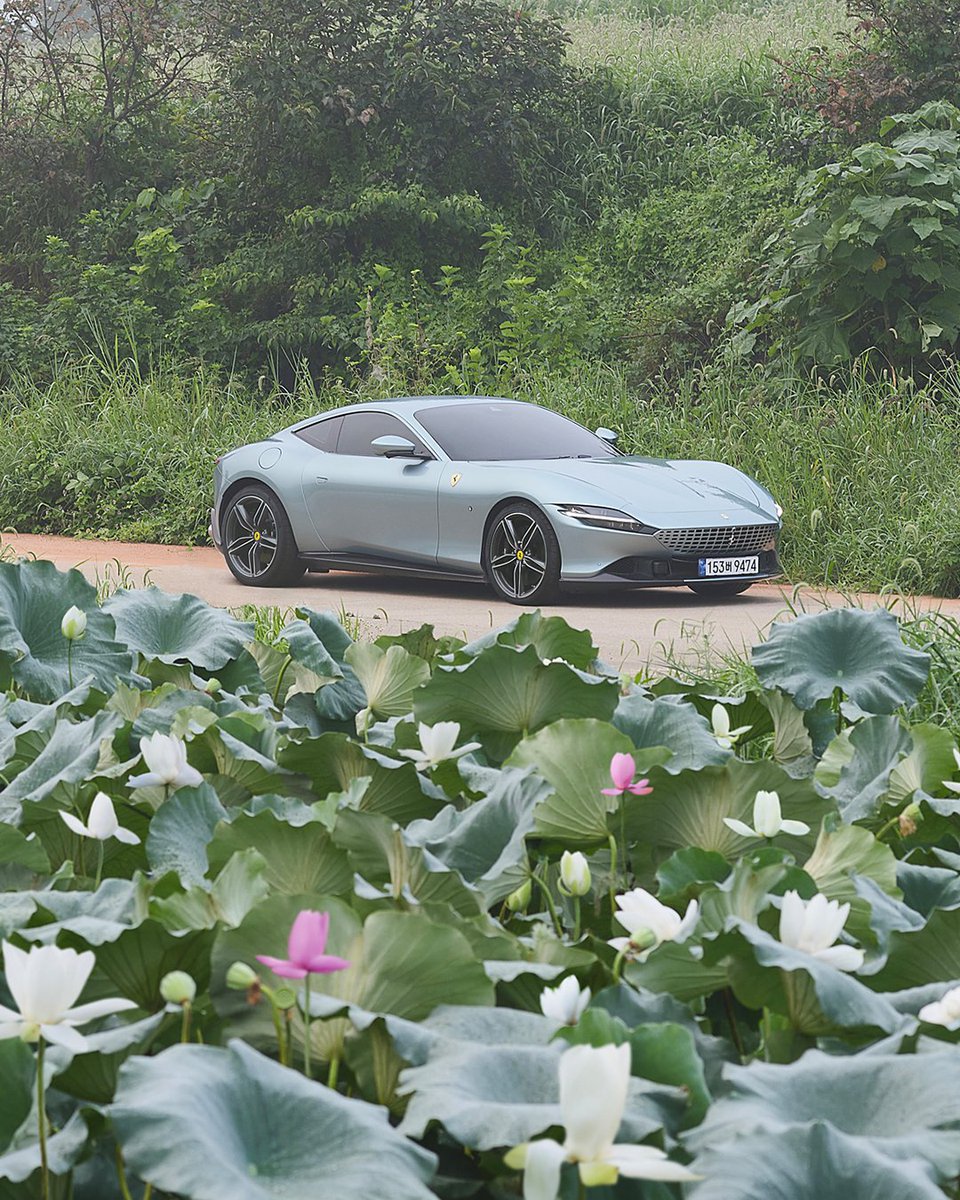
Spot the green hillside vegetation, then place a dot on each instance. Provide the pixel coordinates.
(692, 222)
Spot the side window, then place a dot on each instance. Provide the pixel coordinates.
(360, 429)
(322, 434)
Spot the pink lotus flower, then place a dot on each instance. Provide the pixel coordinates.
(305, 947)
(622, 771)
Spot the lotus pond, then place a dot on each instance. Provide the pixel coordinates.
(328, 920)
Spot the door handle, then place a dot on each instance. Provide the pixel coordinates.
(321, 479)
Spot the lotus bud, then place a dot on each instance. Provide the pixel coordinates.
(574, 873)
(241, 977)
(74, 624)
(212, 686)
(909, 819)
(177, 987)
(517, 901)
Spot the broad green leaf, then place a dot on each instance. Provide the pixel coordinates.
(63, 1149)
(686, 872)
(137, 960)
(666, 1053)
(33, 599)
(929, 955)
(929, 762)
(574, 758)
(511, 693)
(859, 652)
(551, 637)
(856, 768)
(485, 842)
(212, 1124)
(812, 1163)
(93, 1076)
(181, 831)
(688, 809)
(904, 1106)
(238, 888)
(71, 755)
(299, 859)
(847, 851)
(177, 629)
(389, 677)
(679, 727)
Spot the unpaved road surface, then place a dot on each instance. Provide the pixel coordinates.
(633, 630)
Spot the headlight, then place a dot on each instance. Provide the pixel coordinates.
(604, 518)
(778, 508)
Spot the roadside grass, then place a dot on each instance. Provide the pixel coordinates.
(865, 471)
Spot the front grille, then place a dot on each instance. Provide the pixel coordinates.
(730, 539)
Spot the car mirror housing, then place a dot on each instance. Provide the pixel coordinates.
(391, 446)
(606, 435)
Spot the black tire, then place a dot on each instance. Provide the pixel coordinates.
(521, 555)
(258, 543)
(722, 587)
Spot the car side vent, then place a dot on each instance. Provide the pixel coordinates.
(727, 539)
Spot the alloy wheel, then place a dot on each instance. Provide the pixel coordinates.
(251, 536)
(518, 554)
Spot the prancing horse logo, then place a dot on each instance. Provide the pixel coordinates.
(455, 479)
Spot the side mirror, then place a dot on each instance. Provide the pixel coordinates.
(606, 435)
(391, 446)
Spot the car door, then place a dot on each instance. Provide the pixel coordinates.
(368, 507)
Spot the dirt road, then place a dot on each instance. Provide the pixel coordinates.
(632, 629)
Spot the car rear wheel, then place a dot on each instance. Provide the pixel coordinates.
(258, 542)
(521, 555)
(724, 587)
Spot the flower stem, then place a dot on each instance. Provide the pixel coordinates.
(613, 875)
(185, 1023)
(333, 1072)
(732, 1021)
(96, 882)
(121, 1173)
(306, 1028)
(576, 918)
(70, 662)
(618, 962)
(148, 1191)
(889, 825)
(277, 1028)
(42, 1125)
(283, 671)
(548, 900)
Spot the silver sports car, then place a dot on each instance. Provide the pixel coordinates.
(468, 487)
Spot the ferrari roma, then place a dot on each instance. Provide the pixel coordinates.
(467, 487)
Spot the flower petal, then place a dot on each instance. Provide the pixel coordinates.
(740, 827)
(74, 824)
(844, 958)
(792, 914)
(593, 1093)
(147, 780)
(66, 1036)
(127, 836)
(647, 1162)
(283, 967)
(325, 964)
(795, 828)
(541, 1173)
(308, 936)
(97, 1008)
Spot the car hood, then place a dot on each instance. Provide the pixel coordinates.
(652, 489)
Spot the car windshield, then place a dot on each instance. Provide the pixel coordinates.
(498, 431)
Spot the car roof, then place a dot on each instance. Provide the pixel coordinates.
(406, 406)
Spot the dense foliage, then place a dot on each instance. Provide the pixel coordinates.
(766, 919)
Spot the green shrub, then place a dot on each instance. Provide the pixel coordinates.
(871, 262)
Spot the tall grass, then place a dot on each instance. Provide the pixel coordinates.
(866, 474)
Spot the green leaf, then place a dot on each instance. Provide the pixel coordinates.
(181, 831)
(574, 758)
(812, 1163)
(238, 888)
(929, 955)
(33, 599)
(686, 872)
(388, 677)
(177, 629)
(859, 652)
(299, 859)
(666, 723)
(856, 768)
(511, 693)
(211, 1124)
(551, 637)
(688, 809)
(668, 1054)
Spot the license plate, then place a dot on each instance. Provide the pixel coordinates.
(711, 567)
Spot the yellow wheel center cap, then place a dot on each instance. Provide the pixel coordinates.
(256, 537)
(519, 554)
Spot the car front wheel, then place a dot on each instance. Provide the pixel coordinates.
(258, 542)
(521, 555)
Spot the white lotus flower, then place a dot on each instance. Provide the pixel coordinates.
(74, 624)
(575, 873)
(644, 917)
(726, 737)
(945, 1011)
(437, 744)
(593, 1095)
(566, 1003)
(812, 926)
(102, 822)
(44, 984)
(948, 783)
(166, 756)
(766, 819)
